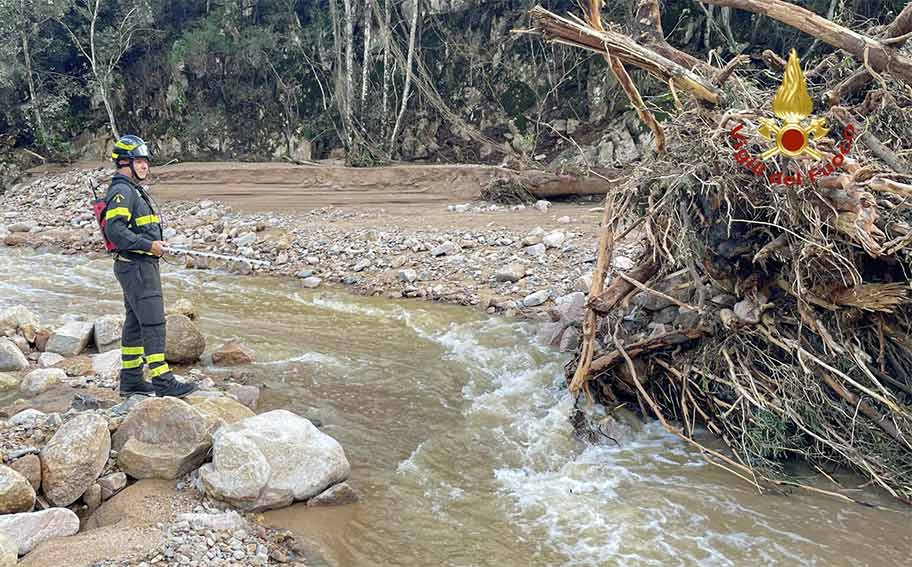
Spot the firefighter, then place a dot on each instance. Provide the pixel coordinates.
(136, 233)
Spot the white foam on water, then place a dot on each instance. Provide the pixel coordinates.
(317, 358)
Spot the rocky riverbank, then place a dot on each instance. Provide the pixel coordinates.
(517, 270)
(70, 447)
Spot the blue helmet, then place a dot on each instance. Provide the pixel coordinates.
(130, 147)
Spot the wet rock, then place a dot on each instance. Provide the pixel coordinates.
(337, 495)
(112, 484)
(41, 380)
(537, 298)
(550, 333)
(70, 339)
(48, 359)
(16, 493)
(107, 333)
(245, 394)
(184, 343)
(311, 282)
(19, 319)
(74, 457)
(510, 273)
(29, 529)
(271, 460)
(232, 354)
(161, 438)
(569, 340)
(11, 357)
(9, 551)
(29, 466)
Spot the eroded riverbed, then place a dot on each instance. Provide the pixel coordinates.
(456, 427)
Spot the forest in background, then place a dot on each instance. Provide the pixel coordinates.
(370, 80)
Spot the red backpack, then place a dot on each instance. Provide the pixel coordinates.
(99, 206)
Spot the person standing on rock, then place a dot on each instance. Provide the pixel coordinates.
(136, 232)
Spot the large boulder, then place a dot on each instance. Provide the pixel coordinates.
(41, 380)
(71, 339)
(221, 410)
(16, 493)
(184, 343)
(11, 356)
(19, 319)
(9, 551)
(9, 380)
(74, 457)
(162, 438)
(107, 333)
(32, 528)
(29, 466)
(271, 460)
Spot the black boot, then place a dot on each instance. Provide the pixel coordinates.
(171, 387)
(135, 385)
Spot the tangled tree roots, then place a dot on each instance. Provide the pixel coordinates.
(777, 317)
(507, 191)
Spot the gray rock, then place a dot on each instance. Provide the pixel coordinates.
(184, 343)
(448, 248)
(583, 283)
(362, 265)
(512, 272)
(337, 495)
(92, 497)
(19, 319)
(535, 251)
(554, 240)
(408, 276)
(74, 457)
(29, 466)
(542, 205)
(304, 274)
(108, 364)
(11, 357)
(9, 551)
(245, 239)
(550, 333)
(29, 529)
(571, 308)
(229, 520)
(271, 460)
(48, 359)
(70, 339)
(245, 394)
(9, 380)
(41, 380)
(531, 240)
(107, 333)
(28, 417)
(537, 298)
(112, 484)
(311, 282)
(569, 339)
(16, 493)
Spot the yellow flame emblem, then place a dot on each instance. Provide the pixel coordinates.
(792, 104)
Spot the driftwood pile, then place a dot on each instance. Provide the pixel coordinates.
(773, 300)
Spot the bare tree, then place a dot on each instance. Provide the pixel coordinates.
(104, 51)
(365, 66)
(408, 74)
(387, 75)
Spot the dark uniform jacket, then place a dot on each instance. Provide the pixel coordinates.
(132, 224)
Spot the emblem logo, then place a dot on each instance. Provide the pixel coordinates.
(118, 198)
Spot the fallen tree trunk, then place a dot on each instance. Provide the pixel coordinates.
(901, 26)
(870, 51)
(578, 34)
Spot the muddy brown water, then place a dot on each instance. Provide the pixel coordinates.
(456, 427)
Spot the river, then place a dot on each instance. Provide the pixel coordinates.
(456, 427)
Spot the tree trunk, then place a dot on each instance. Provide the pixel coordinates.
(365, 64)
(880, 57)
(408, 75)
(33, 97)
(339, 75)
(387, 75)
(349, 64)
